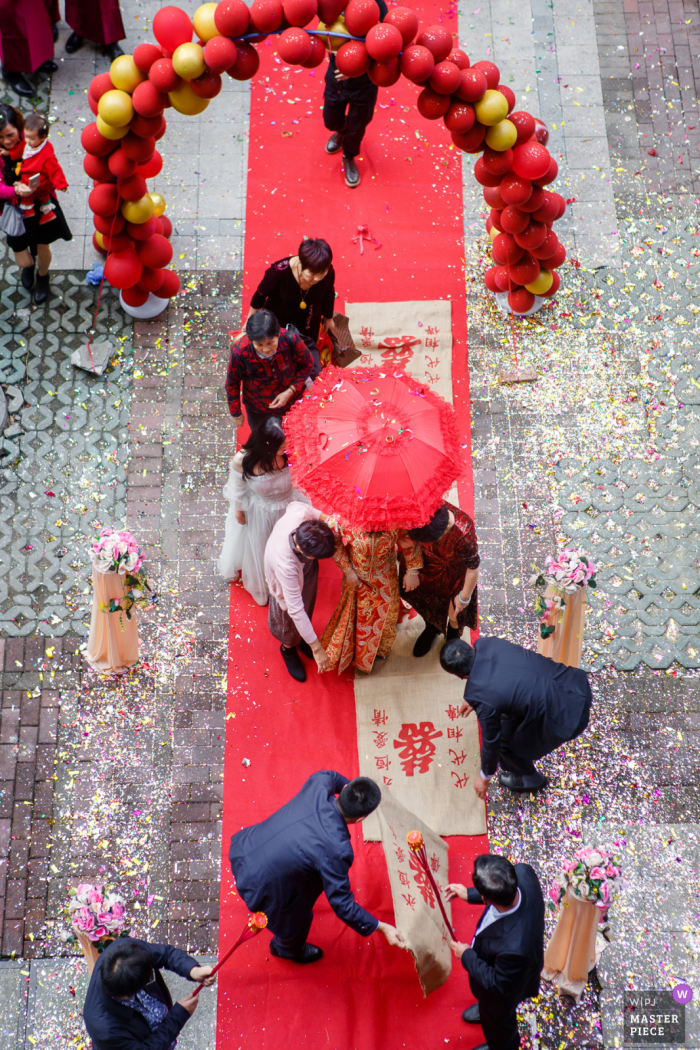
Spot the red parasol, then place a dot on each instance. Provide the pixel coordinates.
(378, 449)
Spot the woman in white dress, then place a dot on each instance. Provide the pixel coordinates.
(258, 489)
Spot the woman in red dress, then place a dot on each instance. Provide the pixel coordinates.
(446, 596)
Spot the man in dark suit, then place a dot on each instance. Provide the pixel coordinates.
(285, 863)
(506, 955)
(128, 1005)
(527, 706)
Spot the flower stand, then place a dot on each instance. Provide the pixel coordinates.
(89, 950)
(113, 643)
(564, 646)
(571, 953)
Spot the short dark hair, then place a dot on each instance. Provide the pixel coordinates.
(315, 539)
(262, 325)
(457, 657)
(359, 798)
(495, 879)
(315, 255)
(37, 122)
(126, 968)
(433, 529)
(12, 116)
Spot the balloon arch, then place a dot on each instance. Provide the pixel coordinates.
(131, 228)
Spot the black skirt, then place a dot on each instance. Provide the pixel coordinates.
(47, 233)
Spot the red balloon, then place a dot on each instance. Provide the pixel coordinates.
(520, 300)
(145, 55)
(460, 59)
(99, 85)
(460, 117)
(151, 280)
(498, 162)
(144, 127)
(505, 250)
(552, 172)
(493, 197)
(96, 168)
(208, 85)
(220, 54)
(384, 74)
(172, 27)
(548, 210)
(94, 108)
(405, 20)
(134, 296)
(360, 16)
(294, 46)
(95, 143)
(300, 12)
(508, 95)
(445, 78)
(490, 279)
(484, 177)
(352, 59)
(554, 287)
(170, 285)
(431, 105)
(533, 236)
(534, 201)
(437, 39)
(561, 205)
(231, 18)
(318, 54)
(148, 100)
(97, 246)
(488, 224)
(524, 125)
(495, 219)
(152, 168)
(118, 242)
(121, 165)
(247, 63)
(514, 221)
(133, 188)
(525, 271)
(384, 42)
(104, 199)
(490, 71)
(167, 226)
(502, 279)
(141, 231)
(163, 76)
(557, 258)
(156, 252)
(109, 224)
(328, 10)
(530, 160)
(548, 247)
(515, 190)
(267, 15)
(139, 149)
(541, 132)
(471, 141)
(417, 63)
(473, 85)
(123, 269)
(159, 134)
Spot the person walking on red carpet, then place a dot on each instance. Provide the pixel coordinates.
(284, 864)
(506, 956)
(99, 21)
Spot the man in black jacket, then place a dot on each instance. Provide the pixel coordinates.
(527, 706)
(506, 956)
(284, 864)
(128, 1005)
(348, 107)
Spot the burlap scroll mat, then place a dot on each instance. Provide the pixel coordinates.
(416, 912)
(411, 739)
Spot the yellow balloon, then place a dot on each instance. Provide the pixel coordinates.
(337, 27)
(125, 73)
(138, 211)
(493, 233)
(159, 204)
(204, 25)
(110, 132)
(492, 108)
(100, 240)
(542, 284)
(502, 135)
(185, 100)
(116, 108)
(188, 61)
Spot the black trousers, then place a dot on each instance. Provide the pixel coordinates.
(291, 925)
(351, 118)
(500, 1026)
(519, 747)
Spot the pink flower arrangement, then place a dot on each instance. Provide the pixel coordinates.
(97, 911)
(571, 569)
(119, 552)
(591, 875)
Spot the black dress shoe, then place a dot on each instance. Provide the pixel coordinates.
(335, 142)
(453, 632)
(19, 83)
(293, 662)
(41, 292)
(514, 782)
(113, 51)
(306, 649)
(425, 640)
(308, 954)
(471, 1015)
(352, 175)
(48, 67)
(27, 277)
(74, 43)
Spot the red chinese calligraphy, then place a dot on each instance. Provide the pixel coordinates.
(415, 746)
(458, 760)
(382, 761)
(460, 781)
(404, 878)
(400, 854)
(410, 901)
(431, 378)
(451, 712)
(435, 862)
(366, 359)
(392, 341)
(432, 343)
(366, 335)
(420, 877)
(388, 781)
(379, 718)
(380, 739)
(431, 362)
(432, 330)
(455, 733)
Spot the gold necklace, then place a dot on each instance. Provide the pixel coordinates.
(302, 304)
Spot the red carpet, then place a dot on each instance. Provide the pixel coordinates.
(363, 995)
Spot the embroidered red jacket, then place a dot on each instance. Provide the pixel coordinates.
(262, 379)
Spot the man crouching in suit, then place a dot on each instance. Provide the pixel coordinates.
(506, 955)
